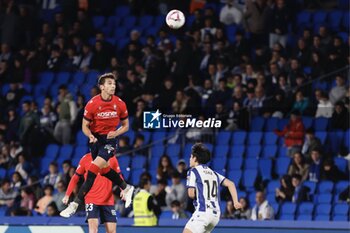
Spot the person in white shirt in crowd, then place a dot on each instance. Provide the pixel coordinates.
(231, 13)
(339, 91)
(177, 191)
(53, 177)
(324, 108)
(262, 210)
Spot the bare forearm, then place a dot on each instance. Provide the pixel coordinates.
(232, 189)
(86, 130)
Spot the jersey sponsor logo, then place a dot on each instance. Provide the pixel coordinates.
(109, 148)
(107, 114)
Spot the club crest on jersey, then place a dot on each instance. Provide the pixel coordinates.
(109, 148)
(115, 107)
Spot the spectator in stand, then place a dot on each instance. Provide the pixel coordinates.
(43, 202)
(124, 144)
(165, 168)
(229, 211)
(137, 124)
(160, 193)
(258, 101)
(67, 111)
(301, 103)
(17, 182)
(315, 166)
(139, 145)
(238, 117)
(276, 106)
(27, 200)
(182, 169)
(286, 190)
(177, 210)
(330, 171)
(66, 165)
(180, 103)
(23, 167)
(231, 13)
(243, 213)
(339, 91)
(87, 55)
(52, 210)
(344, 195)
(53, 177)
(262, 209)
(7, 194)
(293, 133)
(301, 192)
(221, 114)
(279, 20)
(340, 117)
(59, 195)
(48, 119)
(311, 142)
(325, 107)
(34, 183)
(176, 191)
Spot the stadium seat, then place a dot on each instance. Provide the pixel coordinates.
(45, 78)
(321, 124)
(269, 151)
(347, 140)
(129, 22)
(237, 151)
(219, 164)
(250, 163)
(44, 165)
(248, 179)
(135, 176)
(146, 134)
(319, 17)
(166, 214)
(257, 124)
(158, 136)
(157, 151)
(145, 21)
(335, 140)
(289, 217)
(187, 150)
(80, 151)
(124, 161)
(306, 208)
(223, 138)
(308, 122)
(159, 21)
(98, 21)
(323, 209)
(271, 197)
(343, 4)
(288, 208)
(282, 152)
(254, 138)
(75, 161)
(311, 185)
(282, 165)
(151, 31)
(122, 11)
(65, 153)
(231, 33)
(239, 138)
(340, 218)
(120, 32)
(131, 135)
(113, 21)
(51, 151)
(173, 150)
(334, 19)
(81, 139)
(341, 209)
(253, 151)
(304, 217)
(270, 138)
(62, 78)
(153, 163)
(273, 184)
(271, 124)
(138, 162)
(325, 187)
(2, 173)
(265, 168)
(234, 163)
(322, 136)
(235, 176)
(221, 151)
(341, 186)
(3, 210)
(282, 123)
(321, 217)
(345, 21)
(303, 18)
(324, 198)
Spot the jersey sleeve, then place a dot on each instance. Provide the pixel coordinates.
(221, 178)
(123, 110)
(80, 171)
(191, 179)
(89, 111)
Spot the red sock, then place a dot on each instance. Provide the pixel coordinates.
(94, 169)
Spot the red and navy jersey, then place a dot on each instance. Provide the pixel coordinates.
(101, 192)
(104, 115)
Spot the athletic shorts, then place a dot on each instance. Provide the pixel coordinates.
(203, 222)
(106, 213)
(105, 148)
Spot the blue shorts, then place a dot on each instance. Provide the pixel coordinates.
(105, 148)
(106, 213)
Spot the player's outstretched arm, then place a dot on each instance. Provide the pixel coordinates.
(122, 129)
(71, 186)
(233, 191)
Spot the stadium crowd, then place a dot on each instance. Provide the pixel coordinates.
(268, 66)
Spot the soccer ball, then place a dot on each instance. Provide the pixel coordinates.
(175, 19)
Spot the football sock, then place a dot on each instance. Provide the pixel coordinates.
(90, 179)
(114, 177)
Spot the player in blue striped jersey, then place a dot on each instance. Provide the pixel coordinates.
(203, 186)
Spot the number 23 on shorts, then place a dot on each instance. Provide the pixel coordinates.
(89, 207)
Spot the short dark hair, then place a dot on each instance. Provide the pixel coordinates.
(144, 182)
(175, 203)
(201, 153)
(297, 176)
(103, 77)
(175, 174)
(310, 131)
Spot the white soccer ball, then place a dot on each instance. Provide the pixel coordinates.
(175, 19)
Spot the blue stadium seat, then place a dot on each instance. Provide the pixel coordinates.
(271, 197)
(340, 218)
(153, 163)
(275, 207)
(325, 187)
(80, 151)
(173, 150)
(321, 124)
(45, 78)
(138, 162)
(324, 198)
(282, 152)
(81, 139)
(187, 150)
(271, 124)
(341, 163)
(288, 208)
(40, 90)
(3, 210)
(65, 153)
(2, 173)
(248, 179)
(287, 217)
(345, 21)
(151, 31)
(335, 140)
(27, 87)
(135, 176)
(157, 151)
(113, 21)
(343, 4)
(319, 17)
(146, 134)
(78, 78)
(44, 165)
(321, 217)
(145, 21)
(234, 163)
(311, 185)
(323, 209)
(221, 150)
(282, 165)
(98, 21)
(235, 176)
(322, 136)
(159, 21)
(223, 138)
(306, 208)
(231, 33)
(304, 217)
(273, 184)
(124, 161)
(158, 136)
(265, 168)
(120, 32)
(303, 18)
(62, 78)
(126, 173)
(210, 147)
(253, 151)
(257, 124)
(219, 164)
(254, 138)
(130, 134)
(308, 122)
(282, 123)
(166, 214)
(341, 209)
(341, 186)
(129, 22)
(75, 161)
(239, 138)
(347, 140)
(334, 19)
(122, 11)
(237, 151)
(250, 163)
(270, 138)
(269, 151)
(92, 77)
(51, 151)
